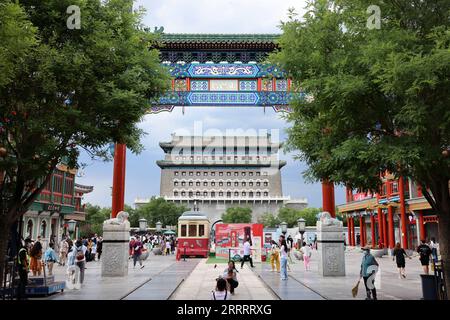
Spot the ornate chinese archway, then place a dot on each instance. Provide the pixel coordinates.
(218, 70)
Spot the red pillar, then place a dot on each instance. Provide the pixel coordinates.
(353, 232)
(391, 227)
(380, 226)
(403, 219)
(372, 227)
(328, 197)
(423, 233)
(385, 230)
(361, 231)
(349, 231)
(118, 190)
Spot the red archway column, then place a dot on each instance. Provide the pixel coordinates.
(118, 189)
(403, 218)
(353, 232)
(328, 197)
(380, 227)
(372, 229)
(391, 227)
(423, 233)
(362, 231)
(349, 231)
(385, 229)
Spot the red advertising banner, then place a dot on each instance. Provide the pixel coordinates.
(362, 195)
(230, 239)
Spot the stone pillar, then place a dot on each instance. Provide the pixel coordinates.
(115, 249)
(330, 245)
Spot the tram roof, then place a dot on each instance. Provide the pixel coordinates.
(193, 215)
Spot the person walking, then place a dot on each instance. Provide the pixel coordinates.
(306, 251)
(369, 266)
(424, 255)
(434, 249)
(274, 256)
(80, 258)
(137, 251)
(247, 253)
(36, 256)
(131, 246)
(63, 251)
(168, 247)
(221, 292)
(23, 268)
(50, 258)
(230, 275)
(399, 256)
(284, 257)
(99, 247)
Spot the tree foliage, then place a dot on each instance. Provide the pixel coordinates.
(378, 98)
(65, 89)
(237, 215)
(158, 209)
(269, 220)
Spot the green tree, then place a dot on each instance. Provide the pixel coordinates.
(288, 215)
(378, 97)
(269, 220)
(95, 215)
(237, 215)
(62, 90)
(310, 215)
(158, 209)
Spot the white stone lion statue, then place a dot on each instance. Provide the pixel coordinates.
(121, 217)
(327, 220)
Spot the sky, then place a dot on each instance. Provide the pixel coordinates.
(202, 16)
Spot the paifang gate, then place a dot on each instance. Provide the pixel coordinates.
(218, 70)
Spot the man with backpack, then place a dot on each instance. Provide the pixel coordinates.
(425, 252)
(80, 258)
(137, 251)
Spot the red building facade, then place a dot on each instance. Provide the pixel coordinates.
(398, 213)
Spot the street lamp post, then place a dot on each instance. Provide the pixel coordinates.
(72, 224)
(142, 225)
(301, 229)
(283, 227)
(158, 226)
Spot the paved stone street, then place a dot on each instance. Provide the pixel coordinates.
(300, 281)
(201, 282)
(140, 283)
(165, 278)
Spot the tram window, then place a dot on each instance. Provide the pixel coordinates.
(201, 230)
(183, 230)
(192, 230)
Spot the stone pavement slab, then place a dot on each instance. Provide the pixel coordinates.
(389, 286)
(96, 287)
(202, 281)
(162, 285)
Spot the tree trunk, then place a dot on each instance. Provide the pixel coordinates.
(444, 244)
(4, 234)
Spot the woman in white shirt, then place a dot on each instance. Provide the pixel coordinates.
(284, 257)
(306, 250)
(221, 292)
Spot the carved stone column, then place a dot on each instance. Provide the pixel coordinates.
(330, 246)
(115, 249)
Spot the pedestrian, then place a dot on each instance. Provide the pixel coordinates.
(36, 257)
(306, 251)
(221, 292)
(424, 255)
(99, 247)
(94, 249)
(80, 258)
(230, 275)
(369, 266)
(137, 251)
(63, 251)
(89, 250)
(274, 256)
(131, 246)
(399, 256)
(23, 269)
(50, 258)
(172, 245)
(73, 271)
(434, 249)
(284, 257)
(247, 253)
(168, 247)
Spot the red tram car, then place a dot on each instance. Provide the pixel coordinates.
(193, 234)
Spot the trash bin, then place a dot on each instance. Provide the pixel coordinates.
(429, 287)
